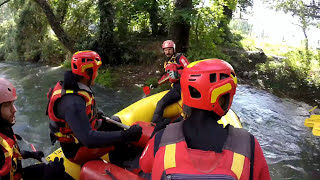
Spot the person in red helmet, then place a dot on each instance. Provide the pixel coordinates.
(198, 147)
(10, 153)
(73, 113)
(173, 66)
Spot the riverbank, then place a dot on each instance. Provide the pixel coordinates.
(252, 68)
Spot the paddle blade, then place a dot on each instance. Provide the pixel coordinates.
(309, 122)
(316, 129)
(146, 90)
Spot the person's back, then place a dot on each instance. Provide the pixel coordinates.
(198, 147)
(73, 113)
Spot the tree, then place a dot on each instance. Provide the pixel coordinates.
(306, 13)
(56, 26)
(106, 44)
(4, 2)
(180, 28)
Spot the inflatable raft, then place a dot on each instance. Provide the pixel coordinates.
(141, 110)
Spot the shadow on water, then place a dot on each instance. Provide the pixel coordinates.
(289, 147)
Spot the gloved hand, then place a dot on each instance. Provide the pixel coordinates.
(99, 114)
(132, 134)
(173, 74)
(35, 155)
(154, 85)
(54, 170)
(160, 125)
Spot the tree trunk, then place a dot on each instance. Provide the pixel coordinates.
(180, 29)
(155, 19)
(106, 46)
(227, 12)
(56, 26)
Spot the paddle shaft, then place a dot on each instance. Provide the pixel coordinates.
(115, 122)
(34, 150)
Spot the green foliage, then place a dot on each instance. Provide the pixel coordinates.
(160, 88)
(105, 78)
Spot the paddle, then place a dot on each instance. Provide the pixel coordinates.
(115, 122)
(32, 147)
(316, 129)
(147, 89)
(314, 118)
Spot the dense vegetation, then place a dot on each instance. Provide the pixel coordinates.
(131, 31)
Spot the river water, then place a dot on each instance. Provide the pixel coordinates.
(292, 152)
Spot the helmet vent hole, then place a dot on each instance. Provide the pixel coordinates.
(194, 92)
(233, 74)
(97, 59)
(195, 75)
(223, 76)
(9, 89)
(192, 79)
(83, 60)
(75, 66)
(213, 78)
(89, 60)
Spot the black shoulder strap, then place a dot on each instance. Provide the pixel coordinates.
(252, 156)
(157, 140)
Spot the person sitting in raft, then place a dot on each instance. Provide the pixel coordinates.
(173, 67)
(73, 113)
(10, 154)
(198, 147)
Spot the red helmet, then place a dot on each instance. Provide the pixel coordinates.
(204, 82)
(7, 91)
(168, 44)
(83, 60)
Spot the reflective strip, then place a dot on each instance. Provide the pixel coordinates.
(84, 93)
(56, 92)
(7, 154)
(194, 63)
(6, 146)
(84, 67)
(170, 156)
(237, 164)
(235, 79)
(98, 62)
(69, 91)
(218, 91)
(60, 135)
(81, 52)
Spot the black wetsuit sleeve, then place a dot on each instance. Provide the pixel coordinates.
(72, 109)
(2, 158)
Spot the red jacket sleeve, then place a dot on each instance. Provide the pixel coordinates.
(260, 167)
(183, 60)
(147, 157)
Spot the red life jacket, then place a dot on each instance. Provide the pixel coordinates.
(176, 64)
(12, 166)
(174, 160)
(62, 131)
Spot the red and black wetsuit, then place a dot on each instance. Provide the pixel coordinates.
(72, 125)
(174, 93)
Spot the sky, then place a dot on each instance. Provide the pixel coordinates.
(279, 26)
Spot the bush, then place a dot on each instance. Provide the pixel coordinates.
(105, 78)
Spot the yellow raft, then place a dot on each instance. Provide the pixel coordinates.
(141, 110)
